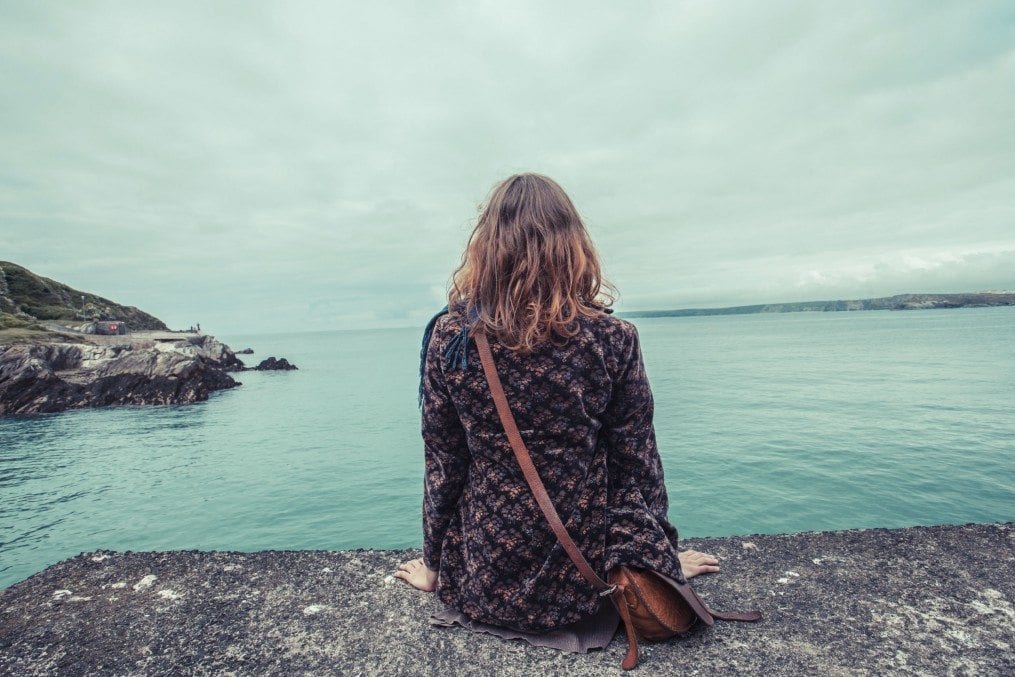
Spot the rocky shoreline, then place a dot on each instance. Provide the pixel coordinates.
(63, 370)
(922, 600)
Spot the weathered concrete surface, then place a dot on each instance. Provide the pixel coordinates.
(926, 600)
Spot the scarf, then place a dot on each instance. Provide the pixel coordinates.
(455, 354)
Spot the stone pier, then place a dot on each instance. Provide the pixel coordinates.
(923, 600)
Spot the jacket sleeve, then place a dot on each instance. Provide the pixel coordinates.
(635, 468)
(446, 456)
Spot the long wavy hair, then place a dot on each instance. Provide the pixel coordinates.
(530, 268)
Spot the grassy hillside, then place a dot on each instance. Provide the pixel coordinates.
(27, 298)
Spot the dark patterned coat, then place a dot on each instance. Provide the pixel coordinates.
(585, 414)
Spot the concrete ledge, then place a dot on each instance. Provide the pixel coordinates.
(924, 600)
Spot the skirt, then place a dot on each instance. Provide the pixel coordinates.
(593, 632)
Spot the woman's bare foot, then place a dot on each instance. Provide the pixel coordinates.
(418, 575)
(693, 563)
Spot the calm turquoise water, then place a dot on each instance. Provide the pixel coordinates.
(766, 424)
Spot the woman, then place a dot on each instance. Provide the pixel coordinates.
(574, 377)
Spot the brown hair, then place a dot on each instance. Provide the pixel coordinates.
(530, 268)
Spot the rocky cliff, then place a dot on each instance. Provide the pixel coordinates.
(83, 371)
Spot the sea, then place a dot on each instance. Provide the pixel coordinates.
(769, 423)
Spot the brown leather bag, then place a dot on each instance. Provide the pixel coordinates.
(652, 605)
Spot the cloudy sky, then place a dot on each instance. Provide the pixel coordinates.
(261, 166)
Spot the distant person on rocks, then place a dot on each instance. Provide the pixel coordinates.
(576, 384)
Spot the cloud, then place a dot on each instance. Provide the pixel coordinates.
(321, 164)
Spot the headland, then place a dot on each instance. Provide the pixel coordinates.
(986, 299)
(61, 348)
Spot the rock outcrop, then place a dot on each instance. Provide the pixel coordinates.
(272, 364)
(921, 601)
(55, 376)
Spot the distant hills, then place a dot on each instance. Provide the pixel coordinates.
(898, 302)
(26, 299)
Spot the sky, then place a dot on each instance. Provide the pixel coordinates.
(265, 167)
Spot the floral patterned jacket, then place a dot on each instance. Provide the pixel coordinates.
(585, 413)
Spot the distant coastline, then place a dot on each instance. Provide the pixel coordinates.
(897, 302)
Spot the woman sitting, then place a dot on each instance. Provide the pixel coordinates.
(576, 383)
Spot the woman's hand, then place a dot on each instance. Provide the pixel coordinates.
(418, 575)
(694, 563)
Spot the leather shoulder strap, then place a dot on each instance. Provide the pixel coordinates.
(507, 419)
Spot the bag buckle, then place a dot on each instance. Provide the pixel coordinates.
(608, 591)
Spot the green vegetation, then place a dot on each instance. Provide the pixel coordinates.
(26, 298)
(37, 335)
(8, 321)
